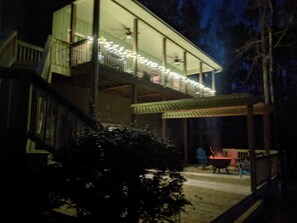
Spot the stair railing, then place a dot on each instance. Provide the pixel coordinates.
(44, 65)
(28, 54)
(46, 118)
(8, 48)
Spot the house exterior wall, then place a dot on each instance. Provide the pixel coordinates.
(112, 109)
(61, 25)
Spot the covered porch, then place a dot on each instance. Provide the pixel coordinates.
(264, 167)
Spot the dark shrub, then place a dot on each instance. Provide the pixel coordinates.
(119, 176)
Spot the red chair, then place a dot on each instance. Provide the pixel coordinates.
(233, 154)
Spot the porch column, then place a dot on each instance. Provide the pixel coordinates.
(201, 121)
(73, 23)
(251, 145)
(186, 153)
(200, 78)
(164, 123)
(72, 31)
(164, 126)
(185, 69)
(164, 61)
(135, 52)
(93, 104)
(213, 81)
(266, 125)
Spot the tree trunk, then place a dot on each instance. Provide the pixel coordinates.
(264, 53)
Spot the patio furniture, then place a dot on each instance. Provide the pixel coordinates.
(244, 168)
(202, 158)
(220, 162)
(233, 154)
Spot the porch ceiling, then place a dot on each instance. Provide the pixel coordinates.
(223, 105)
(116, 15)
(122, 87)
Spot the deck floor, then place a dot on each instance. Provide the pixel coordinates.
(212, 194)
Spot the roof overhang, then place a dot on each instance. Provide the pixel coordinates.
(222, 105)
(116, 14)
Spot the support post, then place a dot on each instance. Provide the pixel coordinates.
(267, 135)
(164, 126)
(251, 145)
(93, 105)
(213, 80)
(186, 153)
(72, 31)
(135, 52)
(73, 23)
(185, 69)
(164, 62)
(200, 78)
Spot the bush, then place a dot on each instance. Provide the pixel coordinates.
(124, 175)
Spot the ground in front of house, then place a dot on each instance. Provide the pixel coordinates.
(212, 194)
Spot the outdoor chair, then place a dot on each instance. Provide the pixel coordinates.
(202, 158)
(244, 168)
(233, 154)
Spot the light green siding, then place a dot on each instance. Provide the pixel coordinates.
(61, 23)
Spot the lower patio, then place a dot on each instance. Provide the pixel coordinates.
(212, 194)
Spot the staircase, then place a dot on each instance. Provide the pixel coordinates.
(28, 102)
(34, 119)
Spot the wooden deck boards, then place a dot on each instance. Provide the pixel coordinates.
(212, 194)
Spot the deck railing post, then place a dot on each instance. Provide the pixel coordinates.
(251, 144)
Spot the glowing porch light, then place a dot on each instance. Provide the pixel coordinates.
(122, 53)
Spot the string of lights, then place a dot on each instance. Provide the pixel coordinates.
(124, 54)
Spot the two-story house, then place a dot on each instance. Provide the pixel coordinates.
(115, 62)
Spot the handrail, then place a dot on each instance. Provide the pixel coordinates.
(60, 51)
(43, 68)
(267, 167)
(8, 49)
(51, 118)
(27, 53)
(116, 58)
(243, 154)
(60, 56)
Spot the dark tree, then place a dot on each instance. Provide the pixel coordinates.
(183, 16)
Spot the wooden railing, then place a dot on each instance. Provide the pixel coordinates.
(28, 54)
(243, 154)
(8, 48)
(58, 56)
(81, 53)
(50, 120)
(266, 166)
(44, 66)
(60, 53)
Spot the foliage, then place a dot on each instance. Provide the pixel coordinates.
(121, 175)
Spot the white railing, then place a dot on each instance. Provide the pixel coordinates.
(28, 54)
(60, 51)
(8, 49)
(114, 56)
